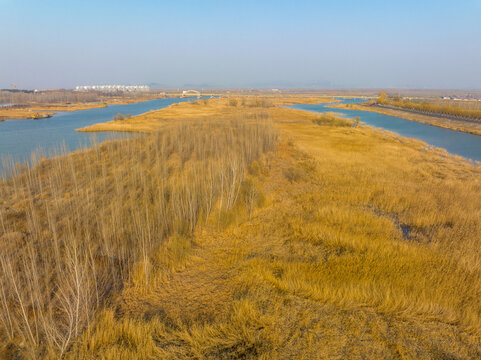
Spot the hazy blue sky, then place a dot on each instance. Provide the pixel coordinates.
(244, 43)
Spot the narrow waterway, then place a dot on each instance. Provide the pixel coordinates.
(455, 142)
(20, 138)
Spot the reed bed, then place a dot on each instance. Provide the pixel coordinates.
(72, 228)
(364, 248)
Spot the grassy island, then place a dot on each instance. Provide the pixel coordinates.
(236, 228)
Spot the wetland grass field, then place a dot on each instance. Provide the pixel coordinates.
(237, 228)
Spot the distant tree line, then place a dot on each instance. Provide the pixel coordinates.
(59, 96)
(470, 110)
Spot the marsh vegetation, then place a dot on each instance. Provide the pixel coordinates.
(254, 233)
(74, 227)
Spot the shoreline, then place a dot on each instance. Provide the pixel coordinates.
(199, 109)
(455, 125)
(42, 111)
(153, 122)
(160, 119)
(313, 223)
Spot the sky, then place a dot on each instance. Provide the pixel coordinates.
(241, 44)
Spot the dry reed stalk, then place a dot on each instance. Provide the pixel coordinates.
(86, 218)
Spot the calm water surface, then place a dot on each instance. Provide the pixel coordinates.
(455, 142)
(19, 138)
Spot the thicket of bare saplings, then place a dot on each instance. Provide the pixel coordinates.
(72, 228)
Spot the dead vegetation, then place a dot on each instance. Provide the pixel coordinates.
(322, 269)
(76, 227)
(331, 120)
(197, 242)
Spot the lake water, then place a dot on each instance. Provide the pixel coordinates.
(19, 138)
(455, 142)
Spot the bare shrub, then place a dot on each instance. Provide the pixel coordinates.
(293, 174)
(251, 195)
(330, 120)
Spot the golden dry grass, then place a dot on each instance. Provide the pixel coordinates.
(203, 109)
(75, 228)
(322, 268)
(24, 113)
(154, 120)
(345, 242)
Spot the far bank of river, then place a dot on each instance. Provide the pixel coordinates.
(19, 138)
(455, 142)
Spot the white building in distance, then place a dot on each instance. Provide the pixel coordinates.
(113, 88)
